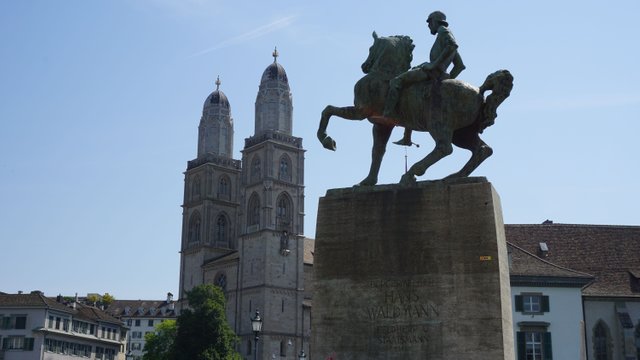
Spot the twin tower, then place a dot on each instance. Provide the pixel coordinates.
(242, 221)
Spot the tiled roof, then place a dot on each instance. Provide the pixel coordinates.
(38, 300)
(610, 253)
(309, 246)
(526, 268)
(33, 300)
(150, 308)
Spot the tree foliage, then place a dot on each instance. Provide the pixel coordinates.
(201, 332)
(159, 344)
(107, 299)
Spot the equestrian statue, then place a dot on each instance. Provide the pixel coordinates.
(424, 98)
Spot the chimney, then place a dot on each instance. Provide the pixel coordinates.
(169, 297)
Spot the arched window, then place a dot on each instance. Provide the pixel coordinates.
(256, 172)
(284, 211)
(224, 137)
(195, 188)
(221, 235)
(601, 341)
(284, 171)
(194, 228)
(283, 348)
(221, 280)
(224, 187)
(253, 210)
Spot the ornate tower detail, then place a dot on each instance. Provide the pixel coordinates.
(272, 221)
(215, 133)
(243, 221)
(273, 103)
(211, 193)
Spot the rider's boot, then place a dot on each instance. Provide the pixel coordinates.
(406, 139)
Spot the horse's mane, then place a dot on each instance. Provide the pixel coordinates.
(397, 60)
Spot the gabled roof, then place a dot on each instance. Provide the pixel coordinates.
(527, 269)
(33, 300)
(37, 300)
(142, 308)
(610, 253)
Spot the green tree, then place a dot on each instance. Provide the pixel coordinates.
(159, 344)
(93, 299)
(203, 332)
(107, 299)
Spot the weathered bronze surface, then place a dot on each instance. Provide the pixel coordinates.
(424, 98)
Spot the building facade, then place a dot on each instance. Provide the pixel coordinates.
(35, 327)
(547, 307)
(611, 302)
(141, 317)
(243, 220)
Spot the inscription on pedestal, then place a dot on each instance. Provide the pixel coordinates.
(412, 274)
(400, 315)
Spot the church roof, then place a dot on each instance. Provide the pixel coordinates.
(610, 253)
(217, 97)
(275, 71)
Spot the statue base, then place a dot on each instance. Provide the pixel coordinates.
(415, 272)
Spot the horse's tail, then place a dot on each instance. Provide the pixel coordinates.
(500, 83)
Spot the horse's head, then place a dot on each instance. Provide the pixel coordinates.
(389, 55)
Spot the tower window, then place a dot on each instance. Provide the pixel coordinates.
(285, 168)
(256, 173)
(283, 212)
(254, 210)
(195, 188)
(223, 188)
(194, 228)
(221, 281)
(221, 235)
(224, 138)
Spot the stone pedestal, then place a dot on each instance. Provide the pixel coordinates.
(412, 273)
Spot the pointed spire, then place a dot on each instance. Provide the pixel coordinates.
(218, 83)
(275, 54)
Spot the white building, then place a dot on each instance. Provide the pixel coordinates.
(547, 308)
(35, 327)
(611, 301)
(141, 317)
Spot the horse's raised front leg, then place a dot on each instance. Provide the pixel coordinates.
(480, 151)
(347, 112)
(443, 148)
(381, 134)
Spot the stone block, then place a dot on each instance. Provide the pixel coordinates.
(412, 273)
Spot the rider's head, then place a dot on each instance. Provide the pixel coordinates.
(435, 20)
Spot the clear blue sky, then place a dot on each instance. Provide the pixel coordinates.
(100, 103)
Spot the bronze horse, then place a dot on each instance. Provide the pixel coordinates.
(452, 111)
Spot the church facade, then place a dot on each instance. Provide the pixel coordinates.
(243, 220)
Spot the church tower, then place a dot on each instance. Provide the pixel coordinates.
(272, 223)
(243, 222)
(211, 193)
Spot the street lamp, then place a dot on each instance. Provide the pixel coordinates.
(302, 355)
(256, 325)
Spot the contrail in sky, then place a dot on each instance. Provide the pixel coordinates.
(255, 33)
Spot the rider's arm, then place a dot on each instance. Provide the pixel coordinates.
(458, 66)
